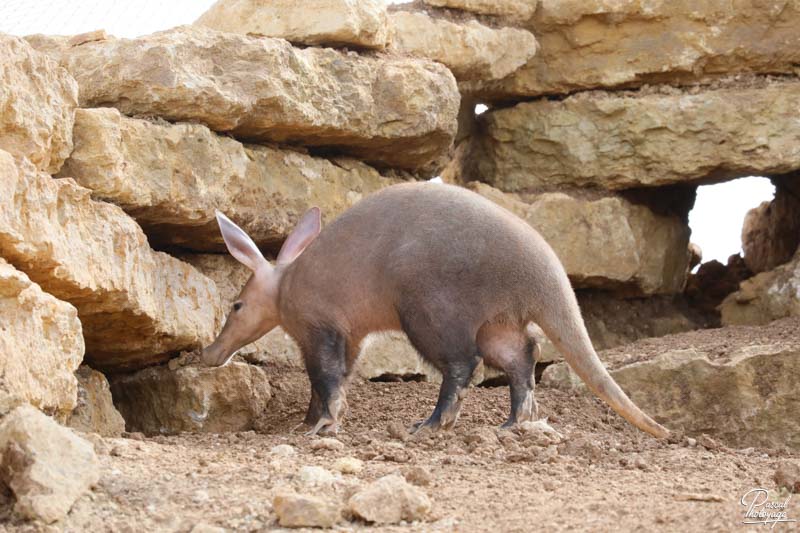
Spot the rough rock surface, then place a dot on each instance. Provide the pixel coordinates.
(38, 101)
(45, 465)
(301, 510)
(41, 344)
(765, 297)
(391, 356)
(598, 43)
(389, 500)
(737, 384)
(163, 400)
(771, 231)
(395, 111)
(641, 139)
(95, 412)
(311, 22)
(172, 178)
(469, 49)
(613, 321)
(134, 304)
(514, 9)
(713, 282)
(608, 242)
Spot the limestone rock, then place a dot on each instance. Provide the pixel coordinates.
(158, 400)
(46, 466)
(771, 231)
(642, 139)
(765, 297)
(606, 243)
(588, 44)
(95, 412)
(348, 465)
(613, 321)
(41, 344)
(713, 282)
(301, 510)
(134, 304)
(744, 395)
(391, 356)
(514, 9)
(38, 100)
(389, 500)
(398, 112)
(172, 177)
(230, 276)
(311, 476)
(469, 49)
(311, 22)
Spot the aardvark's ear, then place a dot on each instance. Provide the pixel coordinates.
(303, 233)
(239, 243)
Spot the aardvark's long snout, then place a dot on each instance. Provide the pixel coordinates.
(216, 355)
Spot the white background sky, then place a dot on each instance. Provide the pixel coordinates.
(716, 220)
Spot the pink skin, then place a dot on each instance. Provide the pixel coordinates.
(255, 312)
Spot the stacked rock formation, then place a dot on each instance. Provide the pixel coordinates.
(115, 153)
(771, 244)
(600, 140)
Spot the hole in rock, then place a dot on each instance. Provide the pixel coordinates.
(719, 211)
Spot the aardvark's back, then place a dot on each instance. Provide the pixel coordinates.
(446, 242)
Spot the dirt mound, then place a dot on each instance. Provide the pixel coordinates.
(603, 475)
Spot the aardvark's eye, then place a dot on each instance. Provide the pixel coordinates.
(237, 306)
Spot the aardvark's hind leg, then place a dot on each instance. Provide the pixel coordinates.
(508, 348)
(455, 354)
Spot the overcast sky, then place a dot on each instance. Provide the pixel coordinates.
(716, 220)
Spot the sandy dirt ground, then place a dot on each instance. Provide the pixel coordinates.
(603, 476)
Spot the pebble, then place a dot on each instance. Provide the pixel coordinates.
(200, 496)
(315, 476)
(327, 444)
(348, 465)
(283, 450)
(302, 510)
(398, 431)
(707, 442)
(390, 500)
(539, 433)
(418, 476)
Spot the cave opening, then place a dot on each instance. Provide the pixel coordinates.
(718, 214)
